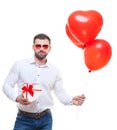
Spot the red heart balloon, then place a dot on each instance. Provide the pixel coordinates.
(73, 38)
(85, 25)
(97, 54)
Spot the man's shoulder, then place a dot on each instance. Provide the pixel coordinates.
(53, 66)
(24, 61)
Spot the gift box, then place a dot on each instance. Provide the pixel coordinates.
(31, 91)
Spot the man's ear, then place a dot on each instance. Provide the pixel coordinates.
(49, 48)
(33, 47)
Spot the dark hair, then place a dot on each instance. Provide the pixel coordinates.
(41, 36)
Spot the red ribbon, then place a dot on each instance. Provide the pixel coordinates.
(28, 88)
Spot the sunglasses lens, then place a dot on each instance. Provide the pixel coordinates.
(45, 47)
(38, 46)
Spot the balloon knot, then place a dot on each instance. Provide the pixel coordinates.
(89, 71)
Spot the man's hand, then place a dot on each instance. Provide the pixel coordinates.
(20, 99)
(78, 100)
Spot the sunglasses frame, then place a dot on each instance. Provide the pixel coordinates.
(39, 46)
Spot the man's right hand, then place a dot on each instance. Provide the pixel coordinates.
(20, 99)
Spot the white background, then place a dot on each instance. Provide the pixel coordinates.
(20, 20)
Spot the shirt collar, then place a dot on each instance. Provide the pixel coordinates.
(32, 61)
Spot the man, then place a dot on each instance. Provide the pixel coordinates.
(36, 115)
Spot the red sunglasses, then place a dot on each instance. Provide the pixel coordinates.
(38, 46)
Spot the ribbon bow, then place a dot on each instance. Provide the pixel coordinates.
(28, 88)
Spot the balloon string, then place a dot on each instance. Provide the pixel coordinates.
(85, 82)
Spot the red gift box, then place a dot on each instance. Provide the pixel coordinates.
(29, 90)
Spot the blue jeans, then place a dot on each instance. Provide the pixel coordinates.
(30, 123)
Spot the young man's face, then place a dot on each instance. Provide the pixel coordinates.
(41, 48)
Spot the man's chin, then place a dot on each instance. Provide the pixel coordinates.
(41, 57)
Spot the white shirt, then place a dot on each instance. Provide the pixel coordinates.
(47, 76)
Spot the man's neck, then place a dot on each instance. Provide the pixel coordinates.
(40, 62)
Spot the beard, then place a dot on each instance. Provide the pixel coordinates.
(41, 55)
